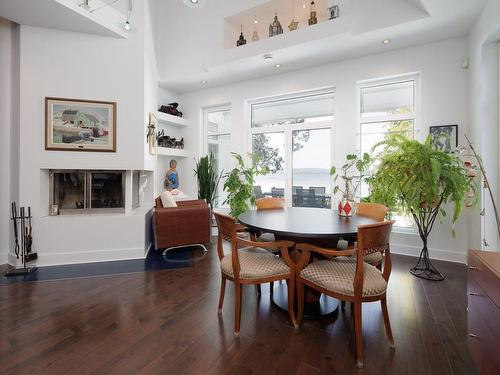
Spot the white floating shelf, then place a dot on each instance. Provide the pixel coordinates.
(165, 151)
(165, 118)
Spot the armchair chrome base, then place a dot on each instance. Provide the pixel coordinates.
(184, 246)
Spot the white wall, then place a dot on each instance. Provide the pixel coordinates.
(482, 114)
(444, 94)
(5, 134)
(76, 65)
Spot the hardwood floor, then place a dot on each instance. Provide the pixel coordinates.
(166, 322)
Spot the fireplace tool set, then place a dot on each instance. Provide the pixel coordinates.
(23, 240)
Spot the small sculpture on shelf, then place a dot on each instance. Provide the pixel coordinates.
(255, 35)
(241, 40)
(165, 141)
(275, 27)
(171, 109)
(333, 10)
(172, 176)
(312, 18)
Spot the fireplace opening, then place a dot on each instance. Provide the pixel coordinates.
(89, 191)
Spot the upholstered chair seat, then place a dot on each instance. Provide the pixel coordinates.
(338, 277)
(255, 263)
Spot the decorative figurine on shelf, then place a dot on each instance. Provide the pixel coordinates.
(241, 40)
(312, 18)
(255, 36)
(275, 28)
(165, 141)
(333, 10)
(172, 176)
(150, 135)
(293, 24)
(171, 109)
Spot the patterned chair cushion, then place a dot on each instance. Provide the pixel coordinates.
(255, 263)
(373, 258)
(338, 277)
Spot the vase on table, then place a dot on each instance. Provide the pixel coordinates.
(346, 207)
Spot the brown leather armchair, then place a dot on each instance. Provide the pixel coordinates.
(184, 225)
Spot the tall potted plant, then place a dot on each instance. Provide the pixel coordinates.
(422, 180)
(239, 184)
(351, 174)
(208, 179)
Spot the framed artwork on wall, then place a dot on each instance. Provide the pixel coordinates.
(444, 137)
(80, 125)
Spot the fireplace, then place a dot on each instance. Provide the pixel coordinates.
(86, 191)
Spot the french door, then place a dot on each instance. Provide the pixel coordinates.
(293, 137)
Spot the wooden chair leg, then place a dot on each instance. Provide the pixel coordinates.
(237, 308)
(222, 292)
(387, 323)
(291, 299)
(358, 333)
(271, 288)
(300, 301)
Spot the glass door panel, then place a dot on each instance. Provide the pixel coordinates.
(271, 149)
(220, 147)
(311, 158)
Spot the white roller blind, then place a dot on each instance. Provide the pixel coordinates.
(290, 109)
(388, 99)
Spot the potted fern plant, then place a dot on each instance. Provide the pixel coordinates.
(208, 179)
(239, 184)
(422, 181)
(352, 173)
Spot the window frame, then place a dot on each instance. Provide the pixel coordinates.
(414, 116)
(226, 107)
(288, 130)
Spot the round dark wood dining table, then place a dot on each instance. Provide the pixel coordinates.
(317, 226)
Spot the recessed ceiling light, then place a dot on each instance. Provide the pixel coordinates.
(195, 3)
(277, 65)
(386, 41)
(203, 82)
(268, 57)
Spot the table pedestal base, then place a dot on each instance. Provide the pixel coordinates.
(323, 307)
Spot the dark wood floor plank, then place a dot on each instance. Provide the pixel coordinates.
(166, 322)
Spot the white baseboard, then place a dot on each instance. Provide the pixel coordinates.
(438, 254)
(54, 259)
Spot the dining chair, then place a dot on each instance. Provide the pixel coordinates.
(252, 264)
(356, 282)
(257, 191)
(277, 192)
(268, 204)
(375, 211)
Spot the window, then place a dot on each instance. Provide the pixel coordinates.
(388, 106)
(218, 132)
(292, 136)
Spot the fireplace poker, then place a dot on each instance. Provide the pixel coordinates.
(16, 238)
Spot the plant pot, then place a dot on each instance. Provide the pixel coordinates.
(346, 207)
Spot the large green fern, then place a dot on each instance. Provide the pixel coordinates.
(420, 179)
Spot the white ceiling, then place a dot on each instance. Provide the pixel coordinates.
(64, 15)
(190, 42)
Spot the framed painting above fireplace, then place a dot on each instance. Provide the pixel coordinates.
(80, 125)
